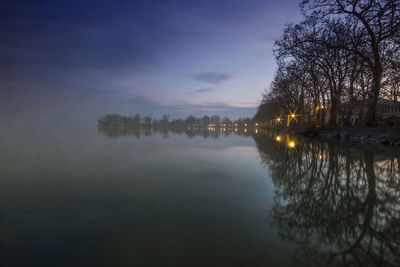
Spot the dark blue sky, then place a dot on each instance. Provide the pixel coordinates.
(166, 56)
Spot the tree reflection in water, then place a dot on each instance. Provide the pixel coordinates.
(115, 132)
(340, 206)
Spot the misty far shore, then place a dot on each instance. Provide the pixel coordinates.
(114, 125)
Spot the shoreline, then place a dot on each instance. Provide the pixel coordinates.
(382, 138)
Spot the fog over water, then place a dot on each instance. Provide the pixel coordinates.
(76, 195)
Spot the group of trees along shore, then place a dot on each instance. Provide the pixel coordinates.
(336, 64)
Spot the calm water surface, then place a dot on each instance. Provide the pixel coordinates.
(83, 197)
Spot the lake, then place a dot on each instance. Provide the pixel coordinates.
(159, 197)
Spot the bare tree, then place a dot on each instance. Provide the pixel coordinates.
(376, 27)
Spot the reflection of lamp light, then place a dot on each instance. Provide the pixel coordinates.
(245, 130)
(278, 138)
(291, 144)
(256, 131)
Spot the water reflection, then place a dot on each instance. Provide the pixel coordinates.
(340, 206)
(164, 131)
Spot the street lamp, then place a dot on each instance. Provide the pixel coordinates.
(291, 144)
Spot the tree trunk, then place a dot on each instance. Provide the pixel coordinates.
(302, 112)
(323, 115)
(376, 88)
(349, 115)
(334, 110)
(371, 114)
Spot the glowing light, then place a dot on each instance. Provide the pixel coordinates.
(245, 124)
(278, 119)
(256, 124)
(320, 156)
(291, 144)
(245, 130)
(256, 131)
(292, 115)
(278, 138)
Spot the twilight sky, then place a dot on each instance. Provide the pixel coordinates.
(151, 56)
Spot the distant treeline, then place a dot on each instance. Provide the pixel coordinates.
(336, 65)
(118, 121)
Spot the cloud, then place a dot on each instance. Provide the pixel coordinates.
(213, 108)
(212, 77)
(204, 90)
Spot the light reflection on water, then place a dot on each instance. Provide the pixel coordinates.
(195, 197)
(339, 205)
